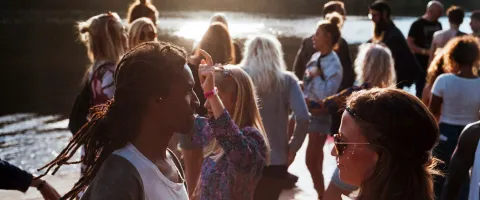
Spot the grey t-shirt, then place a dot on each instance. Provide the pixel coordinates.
(274, 109)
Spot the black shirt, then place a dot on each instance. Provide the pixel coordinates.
(406, 65)
(422, 32)
(13, 178)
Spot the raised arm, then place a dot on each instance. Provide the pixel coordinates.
(242, 148)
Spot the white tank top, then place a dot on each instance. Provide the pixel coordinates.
(475, 179)
(155, 185)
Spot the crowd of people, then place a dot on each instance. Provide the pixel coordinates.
(221, 122)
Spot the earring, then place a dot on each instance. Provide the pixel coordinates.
(159, 99)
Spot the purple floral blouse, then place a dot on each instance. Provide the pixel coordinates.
(236, 174)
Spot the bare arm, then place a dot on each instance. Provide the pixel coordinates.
(414, 48)
(461, 162)
(435, 106)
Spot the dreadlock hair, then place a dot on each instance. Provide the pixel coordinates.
(145, 71)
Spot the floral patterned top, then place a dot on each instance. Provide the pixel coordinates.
(236, 173)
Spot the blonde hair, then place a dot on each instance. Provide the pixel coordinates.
(219, 17)
(104, 36)
(263, 61)
(375, 65)
(246, 113)
(136, 30)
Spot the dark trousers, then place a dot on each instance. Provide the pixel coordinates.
(420, 84)
(444, 151)
(272, 183)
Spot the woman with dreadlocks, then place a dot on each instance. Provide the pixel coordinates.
(126, 140)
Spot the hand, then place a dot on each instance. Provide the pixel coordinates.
(195, 58)
(47, 191)
(206, 72)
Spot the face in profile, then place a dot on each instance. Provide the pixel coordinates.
(475, 25)
(320, 39)
(356, 159)
(375, 16)
(180, 104)
(148, 34)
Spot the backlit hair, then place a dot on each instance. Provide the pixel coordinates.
(246, 113)
(375, 65)
(389, 119)
(218, 43)
(331, 25)
(463, 50)
(263, 61)
(142, 8)
(334, 6)
(136, 31)
(105, 37)
(219, 17)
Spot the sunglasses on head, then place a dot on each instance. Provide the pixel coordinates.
(340, 146)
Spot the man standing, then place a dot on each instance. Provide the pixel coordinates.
(440, 38)
(385, 31)
(420, 39)
(475, 23)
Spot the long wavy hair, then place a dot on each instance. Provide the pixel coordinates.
(142, 8)
(246, 113)
(263, 61)
(403, 132)
(218, 43)
(144, 72)
(375, 65)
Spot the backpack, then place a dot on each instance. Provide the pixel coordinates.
(81, 106)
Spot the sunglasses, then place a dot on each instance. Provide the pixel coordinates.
(340, 146)
(150, 35)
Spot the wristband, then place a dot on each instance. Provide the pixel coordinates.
(210, 93)
(40, 186)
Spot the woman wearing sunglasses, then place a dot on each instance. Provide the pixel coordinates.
(384, 145)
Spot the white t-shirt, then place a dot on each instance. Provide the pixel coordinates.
(155, 184)
(461, 98)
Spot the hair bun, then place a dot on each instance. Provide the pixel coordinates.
(335, 18)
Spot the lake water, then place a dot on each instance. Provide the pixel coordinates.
(44, 63)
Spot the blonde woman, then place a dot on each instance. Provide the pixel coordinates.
(234, 137)
(142, 30)
(278, 92)
(105, 37)
(375, 68)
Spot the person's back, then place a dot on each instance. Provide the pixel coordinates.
(279, 93)
(440, 38)
(461, 98)
(274, 109)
